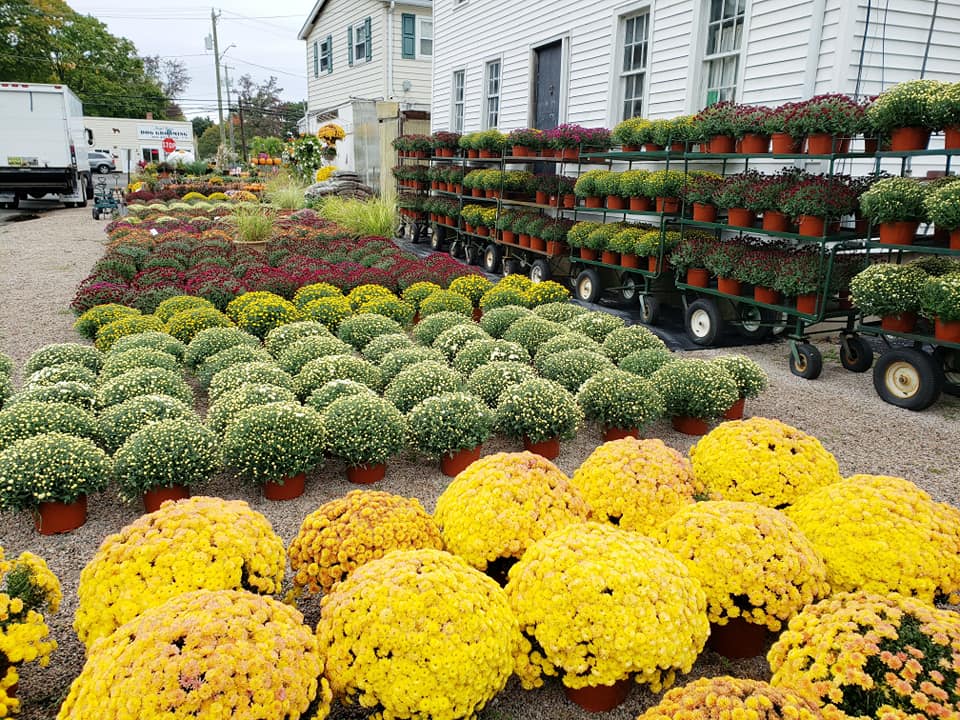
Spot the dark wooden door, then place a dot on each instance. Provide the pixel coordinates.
(546, 101)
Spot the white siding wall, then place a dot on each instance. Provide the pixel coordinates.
(418, 71)
(779, 35)
(364, 79)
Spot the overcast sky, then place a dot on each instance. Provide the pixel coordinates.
(264, 33)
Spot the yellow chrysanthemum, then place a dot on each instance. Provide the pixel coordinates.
(729, 698)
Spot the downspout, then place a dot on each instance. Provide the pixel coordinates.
(390, 18)
(817, 14)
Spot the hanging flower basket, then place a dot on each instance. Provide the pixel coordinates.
(53, 518)
(290, 488)
(366, 474)
(738, 639)
(453, 465)
(153, 499)
(599, 698)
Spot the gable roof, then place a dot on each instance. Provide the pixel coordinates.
(318, 5)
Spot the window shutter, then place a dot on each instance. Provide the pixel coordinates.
(350, 46)
(316, 59)
(329, 54)
(368, 33)
(408, 48)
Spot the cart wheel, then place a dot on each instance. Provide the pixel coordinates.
(856, 355)
(629, 292)
(511, 266)
(703, 322)
(96, 214)
(436, 242)
(908, 378)
(587, 286)
(808, 362)
(457, 249)
(755, 323)
(950, 362)
(471, 254)
(492, 258)
(540, 271)
(649, 310)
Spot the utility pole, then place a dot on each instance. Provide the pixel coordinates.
(216, 59)
(243, 134)
(226, 82)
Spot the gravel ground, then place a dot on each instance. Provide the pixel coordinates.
(45, 258)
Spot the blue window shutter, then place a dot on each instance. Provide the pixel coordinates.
(408, 25)
(329, 54)
(316, 60)
(368, 32)
(350, 46)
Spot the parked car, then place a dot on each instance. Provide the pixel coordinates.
(101, 162)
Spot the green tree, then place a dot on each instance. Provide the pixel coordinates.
(208, 143)
(200, 124)
(45, 41)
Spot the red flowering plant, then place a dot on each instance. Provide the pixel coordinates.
(749, 119)
(701, 187)
(761, 264)
(692, 250)
(716, 119)
(445, 140)
(799, 273)
(766, 193)
(575, 136)
(733, 192)
(827, 114)
(725, 258)
(526, 137)
(820, 196)
(781, 118)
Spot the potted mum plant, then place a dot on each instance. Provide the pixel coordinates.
(163, 460)
(659, 632)
(445, 144)
(761, 267)
(588, 188)
(454, 427)
(946, 115)
(721, 697)
(525, 142)
(689, 257)
(632, 134)
(539, 412)
(627, 242)
(610, 188)
(828, 122)
(275, 446)
(779, 126)
(749, 128)
(732, 197)
(577, 238)
(694, 392)
(943, 209)
(940, 300)
(897, 205)
(366, 431)
(716, 124)
(699, 192)
(751, 380)
(724, 259)
(818, 202)
(51, 475)
(905, 112)
(800, 277)
(764, 195)
(624, 404)
(633, 185)
(780, 571)
(665, 186)
(491, 143)
(891, 292)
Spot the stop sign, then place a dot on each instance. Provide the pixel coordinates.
(169, 145)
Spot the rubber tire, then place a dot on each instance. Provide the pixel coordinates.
(436, 242)
(511, 266)
(96, 214)
(923, 370)
(649, 309)
(811, 362)
(471, 254)
(761, 322)
(587, 286)
(456, 249)
(492, 259)
(950, 364)
(860, 357)
(103, 169)
(629, 291)
(540, 271)
(699, 311)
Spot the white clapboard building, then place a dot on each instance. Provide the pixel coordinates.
(132, 140)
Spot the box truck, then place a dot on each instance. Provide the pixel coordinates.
(43, 144)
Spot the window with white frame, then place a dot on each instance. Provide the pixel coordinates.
(426, 38)
(325, 55)
(724, 40)
(459, 84)
(359, 43)
(492, 94)
(633, 67)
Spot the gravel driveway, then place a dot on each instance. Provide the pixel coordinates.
(44, 259)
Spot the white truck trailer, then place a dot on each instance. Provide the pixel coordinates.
(43, 144)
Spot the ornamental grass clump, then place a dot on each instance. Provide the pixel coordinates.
(872, 656)
(695, 388)
(498, 320)
(637, 484)
(165, 454)
(108, 334)
(151, 339)
(345, 533)
(488, 382)
(417, 382)
(120, 421)
(246, 373)
(61, 353)
(231, 403)
(52, 467)
(724, 697)
(647, 614)
(538, 410)
(882, 535)
(143, 381)
(596, 325)
(209, 342)
(646, 362)
(477, 353)
(271, 443)
(619, 399)
(762, 461)
(117, 363)
(293, 359)
(446, 301)
(209, 653)
(572, 368)
(396, 637)
(445, 424)
(169, 552)
(359, 330)
(451, 341)
(317, 373)
(364, 430)
(96, 317)
(503, 503)
(27, 419)
(776, 570)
